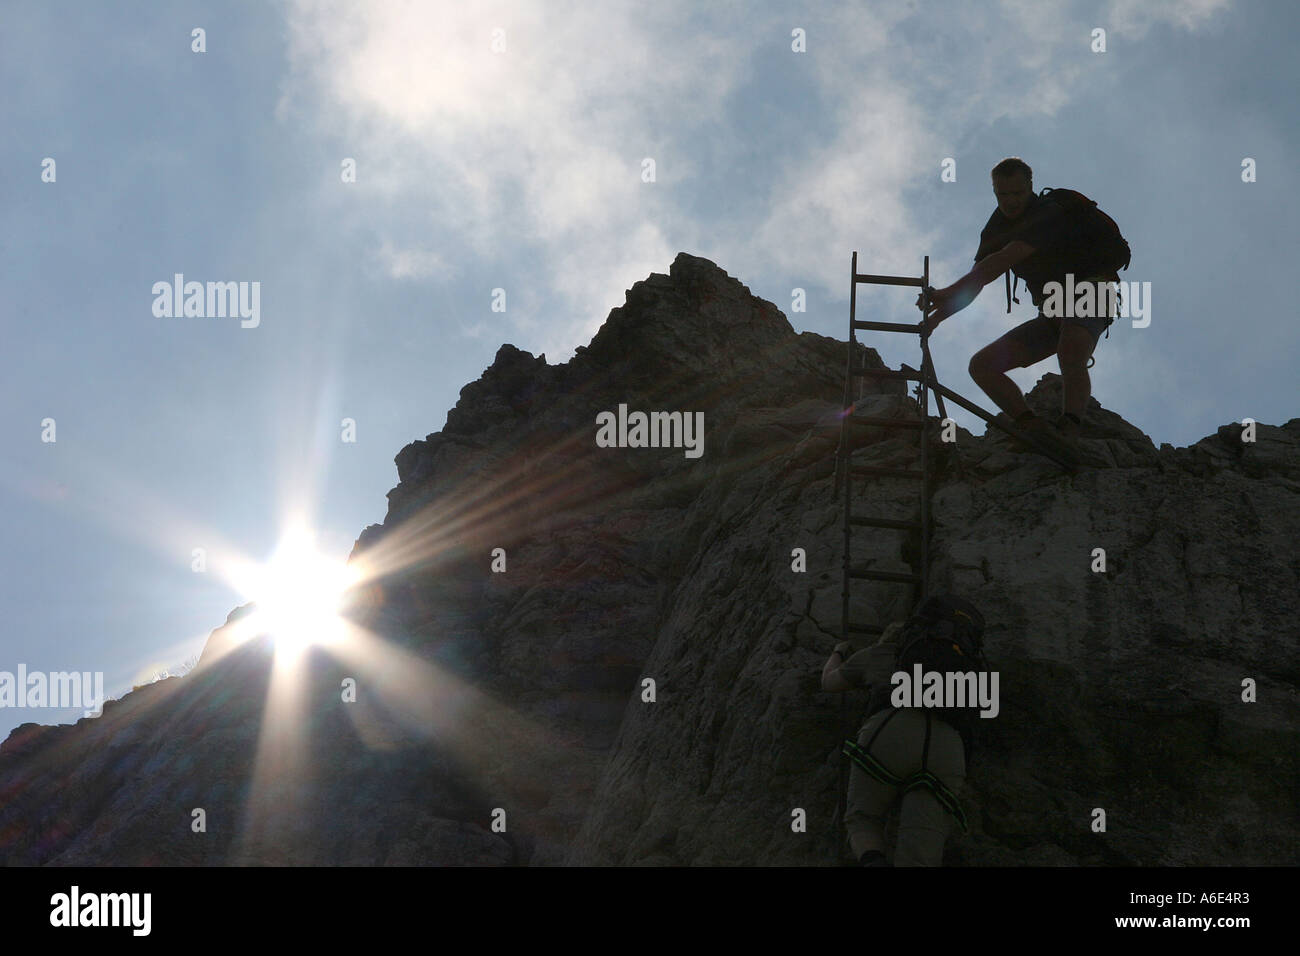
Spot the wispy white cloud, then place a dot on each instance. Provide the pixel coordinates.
(537, 144)
(904, 94)
(1135, 17)
(412, 263)
(539, 141)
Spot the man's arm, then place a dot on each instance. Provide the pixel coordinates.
(954, 298)
(868, 666)
(832, 679)
(990, 267)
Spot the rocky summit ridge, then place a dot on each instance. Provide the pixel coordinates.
(518, 696)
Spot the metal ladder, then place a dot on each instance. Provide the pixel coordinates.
(846, 470)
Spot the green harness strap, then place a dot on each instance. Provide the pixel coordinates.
(922, 778)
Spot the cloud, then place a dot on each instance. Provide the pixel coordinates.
(1134, 18)
(906, 89)
(529, 153)
(412, 263)
(539, 142)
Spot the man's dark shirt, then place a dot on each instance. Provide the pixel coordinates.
(1056, 241)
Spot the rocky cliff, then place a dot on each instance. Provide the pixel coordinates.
(519, 694)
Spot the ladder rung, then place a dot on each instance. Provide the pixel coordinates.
(887, 280)
(885, 576)
(887, 326)
(865, 522)
(886, 422)
(888, 373)
(872, 471)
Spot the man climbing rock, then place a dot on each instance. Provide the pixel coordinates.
(915, 757)
(1059, 236)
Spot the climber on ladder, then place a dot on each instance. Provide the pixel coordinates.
(1044, 239)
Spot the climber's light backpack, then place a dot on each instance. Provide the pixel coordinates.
(944, 634)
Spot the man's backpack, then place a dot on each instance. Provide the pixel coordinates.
(944, 634)
(1106, 248)
(1098, 242)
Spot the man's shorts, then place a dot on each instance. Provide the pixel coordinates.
(1043, 333)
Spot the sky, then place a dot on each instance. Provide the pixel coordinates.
(380, 170)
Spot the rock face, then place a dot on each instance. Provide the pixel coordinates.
(517, 695)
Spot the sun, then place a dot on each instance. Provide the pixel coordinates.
(299, 594)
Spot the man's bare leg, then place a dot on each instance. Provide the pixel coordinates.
(1005, 393)
(988, 368)
(1075, 348)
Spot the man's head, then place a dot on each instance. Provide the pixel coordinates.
(1013, 185)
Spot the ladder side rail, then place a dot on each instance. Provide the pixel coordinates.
(927, 374)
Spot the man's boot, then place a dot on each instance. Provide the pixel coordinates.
(1068, 427)
(1034, 428)
(1068, 431)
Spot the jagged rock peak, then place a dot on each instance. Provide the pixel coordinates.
(696, 312)
(694, 324)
